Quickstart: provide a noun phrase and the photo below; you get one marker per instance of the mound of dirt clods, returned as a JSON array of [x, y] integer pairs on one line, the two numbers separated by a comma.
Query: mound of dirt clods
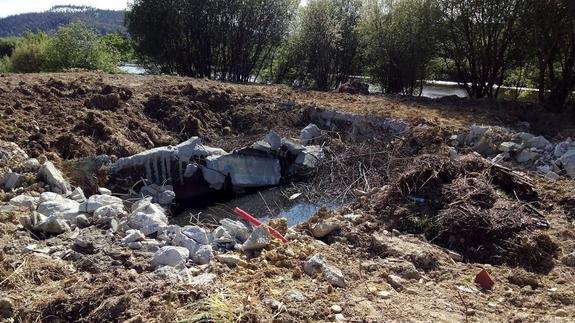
[[483, 211]]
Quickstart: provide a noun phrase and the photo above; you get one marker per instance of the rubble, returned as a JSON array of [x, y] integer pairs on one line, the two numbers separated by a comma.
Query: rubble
[[25, 201], [54, 224], [147, 217], [309, 134], [325, 227], [258, 239], [170, 256], [54, 178], [318, 264], [95, 202]]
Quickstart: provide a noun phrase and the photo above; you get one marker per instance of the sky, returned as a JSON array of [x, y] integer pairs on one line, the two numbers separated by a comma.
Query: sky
[[14, 7]]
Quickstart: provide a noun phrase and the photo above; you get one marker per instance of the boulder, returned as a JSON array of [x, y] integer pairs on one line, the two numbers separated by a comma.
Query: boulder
[[259, 239], [170, 256], [25, 201], [54, 178], [51, 196], [310, 133], [95, 202]]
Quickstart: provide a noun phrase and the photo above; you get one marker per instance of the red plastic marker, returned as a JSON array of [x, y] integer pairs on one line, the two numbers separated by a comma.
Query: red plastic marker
[[246, 216], [483, 280]]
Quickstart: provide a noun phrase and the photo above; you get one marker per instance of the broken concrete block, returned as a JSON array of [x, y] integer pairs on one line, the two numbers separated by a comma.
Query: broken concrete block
[[191, 169], [25, 201], [183, 241], [54, 178], [310, 157], [240, 169], [238, 230], [562, 148], [170, 256], [309, 134], [259, 239]]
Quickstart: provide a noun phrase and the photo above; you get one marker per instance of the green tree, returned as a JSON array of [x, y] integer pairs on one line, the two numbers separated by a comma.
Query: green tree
[[78, 46], [398, 42], [223, 39], [121, 44], [480, 40], [29, 56], [323, 48]]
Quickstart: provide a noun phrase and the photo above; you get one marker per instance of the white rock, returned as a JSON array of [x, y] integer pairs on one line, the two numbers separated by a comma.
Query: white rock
[[77, 195], [53, 224], [236, 229], [151, 245], [318, 264], [148, 218], [170, 256], [104, 191], [54, 178], [199, 235], [309, 133], [66, 208], [183, 241], [222, 236], [133, 236], [51, 196], [110, 211], [259, 239], [95, 202], [334, 276], [25, 201], [135, 245], [325, 227], [166, 197], [568, 162], [552, 176], [274, 140], [203, 255]]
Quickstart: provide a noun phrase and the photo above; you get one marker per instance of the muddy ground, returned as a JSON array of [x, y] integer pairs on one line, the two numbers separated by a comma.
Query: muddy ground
[[474, 216]]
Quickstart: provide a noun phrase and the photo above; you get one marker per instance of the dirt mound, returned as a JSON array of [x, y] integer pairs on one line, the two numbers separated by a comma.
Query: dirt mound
[[470, 206]]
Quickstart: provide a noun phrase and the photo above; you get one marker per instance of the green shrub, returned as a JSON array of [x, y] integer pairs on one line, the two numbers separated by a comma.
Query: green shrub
[[121, 43], [29, 56], [77, 46], [5, 65]]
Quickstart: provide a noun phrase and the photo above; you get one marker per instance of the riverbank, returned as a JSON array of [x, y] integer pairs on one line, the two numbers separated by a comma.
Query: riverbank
[[402, 167]]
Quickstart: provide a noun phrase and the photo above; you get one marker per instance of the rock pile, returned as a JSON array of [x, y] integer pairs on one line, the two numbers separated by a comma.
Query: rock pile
[[501, 144]]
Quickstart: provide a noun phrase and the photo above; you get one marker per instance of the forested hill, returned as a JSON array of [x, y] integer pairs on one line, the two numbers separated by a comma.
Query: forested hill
[[103, 21]]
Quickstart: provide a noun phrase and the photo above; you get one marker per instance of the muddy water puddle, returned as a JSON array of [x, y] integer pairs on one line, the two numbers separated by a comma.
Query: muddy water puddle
[[264, 205]]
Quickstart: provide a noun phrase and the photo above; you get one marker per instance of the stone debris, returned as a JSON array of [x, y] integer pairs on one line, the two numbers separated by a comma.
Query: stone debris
[[147, 217], [32, 220], [170, 256], [82, 221], [259, 239], [325, 227], [110, 211], [10, 180], [95, 202], [133, 236], [536, 152], [204, 279], [396, 282], [203, 255], [318, 264], [236, 229], [310, 133], [104, 191], [77, 195], [63, 207], [25, 201], [231, 260], [54, 178], [54, 224]]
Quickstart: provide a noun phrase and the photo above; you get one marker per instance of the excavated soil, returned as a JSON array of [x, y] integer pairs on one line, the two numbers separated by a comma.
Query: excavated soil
[[419, 229]]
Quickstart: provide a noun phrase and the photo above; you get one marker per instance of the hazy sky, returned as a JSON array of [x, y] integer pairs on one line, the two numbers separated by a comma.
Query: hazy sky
[[13, 7]]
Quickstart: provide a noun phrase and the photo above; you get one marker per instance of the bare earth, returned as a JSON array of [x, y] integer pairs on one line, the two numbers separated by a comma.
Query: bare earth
[[69, 116]]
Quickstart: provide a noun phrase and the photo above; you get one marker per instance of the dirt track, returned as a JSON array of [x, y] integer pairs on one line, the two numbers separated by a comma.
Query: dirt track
[[67, 116]]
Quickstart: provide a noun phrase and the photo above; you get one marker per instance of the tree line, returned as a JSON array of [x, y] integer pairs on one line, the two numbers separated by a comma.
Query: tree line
[[482, 44]]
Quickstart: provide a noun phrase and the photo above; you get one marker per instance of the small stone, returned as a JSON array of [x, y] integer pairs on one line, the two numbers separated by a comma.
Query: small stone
[[470, 312], [104, 191], [384, 294], [309, 134], [82, 221], [230, 260], [83, 243], [133, 236], [203, 279], [170, 256], [561, 313], [395, 281], [569, 260], [54, 224], [77, 195], [25, 201], [295, 295], [336, 309], [136, 245], [340, 318], [203, 255], [325, 227]]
